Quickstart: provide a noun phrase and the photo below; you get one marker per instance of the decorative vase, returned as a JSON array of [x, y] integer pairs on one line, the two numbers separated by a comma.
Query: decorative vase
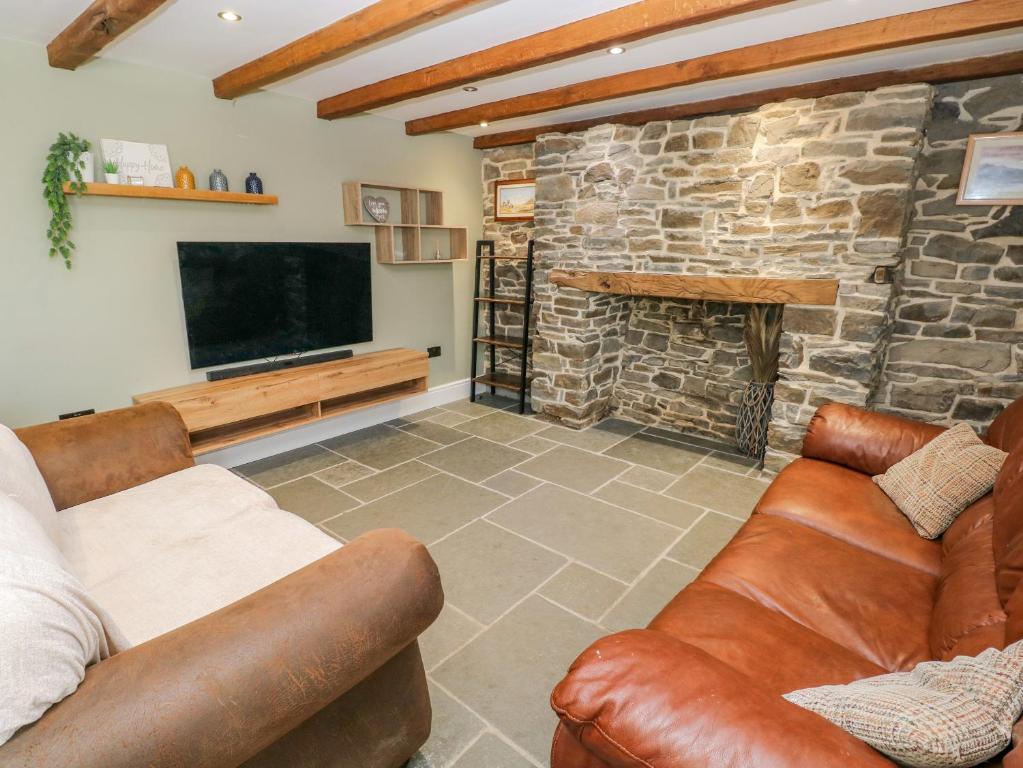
[[86, 167], [253, 184], [112, 178], [185, 179], [753, 418], [218, 181]]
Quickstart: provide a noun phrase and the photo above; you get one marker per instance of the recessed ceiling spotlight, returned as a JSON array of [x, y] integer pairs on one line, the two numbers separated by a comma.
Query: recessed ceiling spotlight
[[229, 16], [616, 51], [470, 88], [484, 123]]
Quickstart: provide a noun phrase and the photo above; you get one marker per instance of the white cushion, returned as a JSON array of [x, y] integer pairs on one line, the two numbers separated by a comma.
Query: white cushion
[[21, 480], [50, 628], [170, 551]]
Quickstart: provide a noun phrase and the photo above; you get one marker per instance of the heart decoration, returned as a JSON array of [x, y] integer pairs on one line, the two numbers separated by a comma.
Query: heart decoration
[[377, 207]]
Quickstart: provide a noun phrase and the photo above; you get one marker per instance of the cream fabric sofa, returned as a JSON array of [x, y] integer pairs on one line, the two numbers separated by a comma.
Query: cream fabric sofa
[[255, 638], [177, 548]]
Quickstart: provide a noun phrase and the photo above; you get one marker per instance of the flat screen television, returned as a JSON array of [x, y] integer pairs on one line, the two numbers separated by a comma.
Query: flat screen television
[[247, 301]]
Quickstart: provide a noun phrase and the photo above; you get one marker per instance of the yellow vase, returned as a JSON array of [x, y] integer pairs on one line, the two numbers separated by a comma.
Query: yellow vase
[[184, 179]]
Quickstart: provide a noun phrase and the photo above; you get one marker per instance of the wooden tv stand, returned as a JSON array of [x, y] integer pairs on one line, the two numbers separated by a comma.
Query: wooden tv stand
[[222, 413]]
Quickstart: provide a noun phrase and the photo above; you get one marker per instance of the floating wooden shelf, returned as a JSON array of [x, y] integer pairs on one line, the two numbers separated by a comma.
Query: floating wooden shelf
[[173, 193], [418, 235], [746, 290], [222, 413]]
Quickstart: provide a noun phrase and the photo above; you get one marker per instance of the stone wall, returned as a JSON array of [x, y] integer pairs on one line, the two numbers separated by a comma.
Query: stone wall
[[510, 239], [811, 188], [956, 351], [808, 188]]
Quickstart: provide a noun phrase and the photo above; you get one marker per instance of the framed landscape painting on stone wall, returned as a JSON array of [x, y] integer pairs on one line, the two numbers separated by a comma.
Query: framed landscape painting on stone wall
[[514, 199], [993, 171]]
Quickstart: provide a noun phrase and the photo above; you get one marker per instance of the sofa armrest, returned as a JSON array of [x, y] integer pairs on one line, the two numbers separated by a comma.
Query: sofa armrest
[[93, 456], [864, 440], [643, 698], [219, 690]]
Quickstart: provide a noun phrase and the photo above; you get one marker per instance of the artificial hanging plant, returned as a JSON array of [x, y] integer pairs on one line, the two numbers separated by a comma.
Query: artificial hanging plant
[[762, 334], [62, 165]]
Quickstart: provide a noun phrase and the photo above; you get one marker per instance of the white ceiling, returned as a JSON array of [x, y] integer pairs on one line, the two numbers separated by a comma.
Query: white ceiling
[[187, 36]]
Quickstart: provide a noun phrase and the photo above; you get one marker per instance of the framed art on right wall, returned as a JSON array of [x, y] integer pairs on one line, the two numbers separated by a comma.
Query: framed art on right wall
[[514, 199], [993, 171]]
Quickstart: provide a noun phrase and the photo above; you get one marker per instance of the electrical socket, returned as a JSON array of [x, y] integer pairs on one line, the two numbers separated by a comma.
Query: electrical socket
[[433, 351], [75, 414]]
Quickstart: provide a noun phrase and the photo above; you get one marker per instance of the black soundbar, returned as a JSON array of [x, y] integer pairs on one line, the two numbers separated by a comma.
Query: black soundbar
[[276, 365]]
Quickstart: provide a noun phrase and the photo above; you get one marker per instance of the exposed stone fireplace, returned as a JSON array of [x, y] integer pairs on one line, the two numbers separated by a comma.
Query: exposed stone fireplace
[[812, 188], [809, 188]]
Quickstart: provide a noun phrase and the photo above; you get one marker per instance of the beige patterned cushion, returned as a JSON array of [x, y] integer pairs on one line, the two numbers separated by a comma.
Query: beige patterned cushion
[[941, 714], [933, 485]]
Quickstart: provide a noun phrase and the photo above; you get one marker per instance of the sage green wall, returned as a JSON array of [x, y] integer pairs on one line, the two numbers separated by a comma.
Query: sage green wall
[[113, 325]]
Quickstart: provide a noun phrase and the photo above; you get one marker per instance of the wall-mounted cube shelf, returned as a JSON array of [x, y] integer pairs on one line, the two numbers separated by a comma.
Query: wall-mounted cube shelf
[[414, 232]]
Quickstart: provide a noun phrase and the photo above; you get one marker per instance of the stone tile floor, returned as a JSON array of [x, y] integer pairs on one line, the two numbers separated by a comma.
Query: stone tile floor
[[546, 539]]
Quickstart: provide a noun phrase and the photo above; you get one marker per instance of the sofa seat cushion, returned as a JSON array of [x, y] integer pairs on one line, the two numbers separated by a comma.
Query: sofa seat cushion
[[848, 505], [778, 653], [875, 607], [172, 550]]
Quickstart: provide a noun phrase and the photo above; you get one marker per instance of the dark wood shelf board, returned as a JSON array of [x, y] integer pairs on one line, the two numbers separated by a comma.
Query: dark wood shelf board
[[514, 342], [500, 300], [501, 381]]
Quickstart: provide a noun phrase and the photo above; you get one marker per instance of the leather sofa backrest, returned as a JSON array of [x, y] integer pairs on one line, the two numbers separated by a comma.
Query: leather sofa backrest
[[1006, 432], [1007, 539], [968, 616]]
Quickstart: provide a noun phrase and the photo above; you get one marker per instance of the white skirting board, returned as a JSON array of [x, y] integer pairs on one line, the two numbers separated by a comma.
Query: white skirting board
[[271, 445]]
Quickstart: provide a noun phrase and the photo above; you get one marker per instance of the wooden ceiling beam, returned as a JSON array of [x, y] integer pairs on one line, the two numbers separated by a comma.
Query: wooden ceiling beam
[[95, 28], [616, 27], [966, 69], [951, 21], [379, 21]]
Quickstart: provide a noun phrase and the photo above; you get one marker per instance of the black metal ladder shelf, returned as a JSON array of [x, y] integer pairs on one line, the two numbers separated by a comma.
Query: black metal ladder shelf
[[491, 376]]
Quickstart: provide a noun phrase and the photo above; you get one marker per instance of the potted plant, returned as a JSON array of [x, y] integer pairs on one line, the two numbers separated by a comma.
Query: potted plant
[[762, 334], [63, 164], [110, 172]]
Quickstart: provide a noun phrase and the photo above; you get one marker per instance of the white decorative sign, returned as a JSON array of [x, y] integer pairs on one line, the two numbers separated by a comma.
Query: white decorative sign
[[133, 158]]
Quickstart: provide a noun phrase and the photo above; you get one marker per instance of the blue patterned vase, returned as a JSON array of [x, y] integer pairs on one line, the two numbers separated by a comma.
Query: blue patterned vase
[[218, 181], [253, 184]]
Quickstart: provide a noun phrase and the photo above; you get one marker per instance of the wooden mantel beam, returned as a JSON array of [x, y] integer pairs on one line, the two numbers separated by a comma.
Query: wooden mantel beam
[[745, 290], [616, 27], [379, 21], [95, 28], [951, 21], [967, 69]]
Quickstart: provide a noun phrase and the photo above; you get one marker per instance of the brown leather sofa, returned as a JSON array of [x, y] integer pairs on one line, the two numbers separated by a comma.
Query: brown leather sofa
[[319, 669], [826, 583]]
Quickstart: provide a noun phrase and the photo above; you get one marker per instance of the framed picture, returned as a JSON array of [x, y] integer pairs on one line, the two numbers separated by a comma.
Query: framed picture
[[150, 162], [993, 172], [514, 199]]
